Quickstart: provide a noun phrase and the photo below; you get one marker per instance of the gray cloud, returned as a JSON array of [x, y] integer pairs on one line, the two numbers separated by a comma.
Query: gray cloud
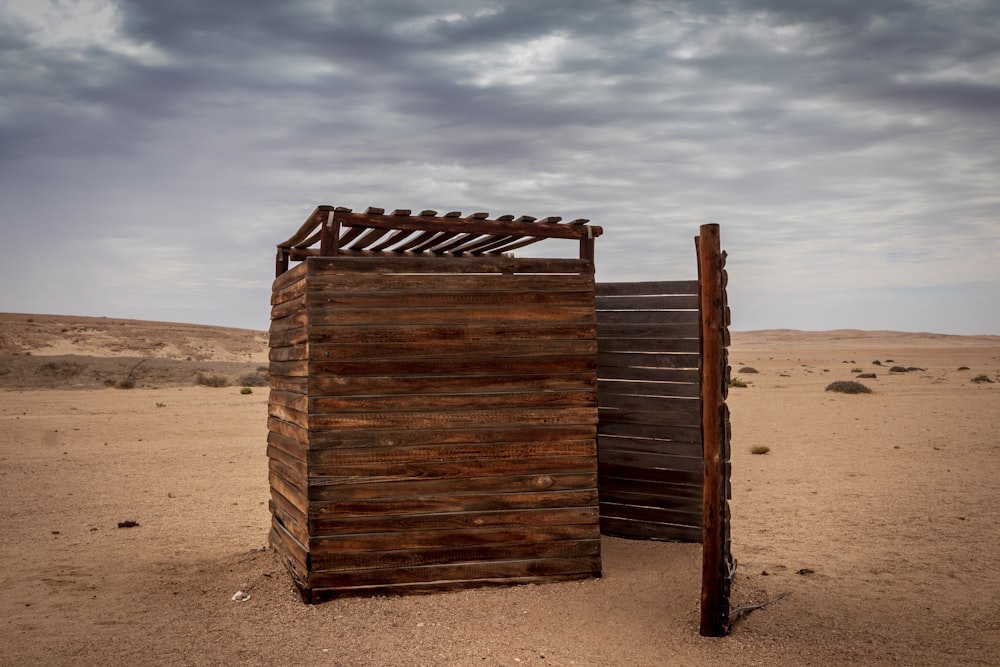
[[843, 146]]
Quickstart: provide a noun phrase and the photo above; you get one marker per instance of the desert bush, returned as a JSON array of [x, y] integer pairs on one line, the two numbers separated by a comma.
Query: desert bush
[[979, 379], [736, 382], [128, 382], [246, 390], [867, 376], [212, 380], [876, 363], [253, 380], [898, 369], [760, 449], [747, 369], [857, 370], [963, 368], [848, 387]]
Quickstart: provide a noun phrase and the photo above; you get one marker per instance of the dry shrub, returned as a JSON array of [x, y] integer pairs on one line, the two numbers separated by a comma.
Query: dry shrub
[[748, 369], [979, 379], [212, 380], [848, 387], [760, 449]]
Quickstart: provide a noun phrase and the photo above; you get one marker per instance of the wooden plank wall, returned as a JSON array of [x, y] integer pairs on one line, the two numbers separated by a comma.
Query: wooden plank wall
[[288, 422], [450, 407], [649, 433]]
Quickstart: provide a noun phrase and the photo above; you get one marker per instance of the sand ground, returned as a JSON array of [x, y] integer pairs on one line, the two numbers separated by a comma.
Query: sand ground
[[877, 514]]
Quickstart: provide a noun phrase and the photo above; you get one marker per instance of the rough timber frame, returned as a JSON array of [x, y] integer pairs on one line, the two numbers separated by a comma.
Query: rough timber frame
[[340, 231]]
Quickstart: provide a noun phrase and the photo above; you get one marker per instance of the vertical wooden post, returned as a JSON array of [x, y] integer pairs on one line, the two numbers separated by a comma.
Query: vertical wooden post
[[280, 262], [329, 236], [587, 246], [714, 611]]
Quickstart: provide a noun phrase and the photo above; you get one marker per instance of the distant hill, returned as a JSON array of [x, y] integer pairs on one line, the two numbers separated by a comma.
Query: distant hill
[[66, 352]]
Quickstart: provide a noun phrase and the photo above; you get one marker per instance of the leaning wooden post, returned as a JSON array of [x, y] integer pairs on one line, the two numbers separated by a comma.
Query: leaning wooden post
[[714, 611]]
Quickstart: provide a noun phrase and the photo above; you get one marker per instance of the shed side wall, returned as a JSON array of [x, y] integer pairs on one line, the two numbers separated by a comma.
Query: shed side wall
[[649, 437], [288, 421], [452, 423]]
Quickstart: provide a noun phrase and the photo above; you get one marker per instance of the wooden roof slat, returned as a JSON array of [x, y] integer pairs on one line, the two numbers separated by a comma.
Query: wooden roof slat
[[437, 239], [366, 239], [394, 238], [419, 239]]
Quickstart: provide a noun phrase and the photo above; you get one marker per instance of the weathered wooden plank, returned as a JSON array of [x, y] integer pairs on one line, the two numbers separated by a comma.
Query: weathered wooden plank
[[445, 295], [691, 447], [640, 359], [280, 337], [291, 446], [371, 262], [290, 552], [463, 554], [623, 499], [286, 383], [452, 419], [606, 344], [288, 430], [610, 389], [297, 368], [291, 400], [609, 318], [608, 305], [324, 461], [660, 475], [649, 287], [474, 351], [651, 410], [348, 385], [289, 293], [613, 487], [470, 485], [476, 434], [648, 331], [372, 473], [289, 415], [332, 281], [423, 402], [650, 460], [317, 595], [289, 490], [464, 572], [690, 433], [458, 502], [651, 531], [289, 353], [430, 336], [467, 359], [286, 308], [342, 316], [294, 274], [429, 539], [690, 517], [294, 468], [389, 523], [289, 516]]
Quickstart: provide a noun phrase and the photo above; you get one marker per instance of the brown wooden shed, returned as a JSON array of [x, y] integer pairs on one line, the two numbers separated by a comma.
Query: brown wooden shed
[[433, 418], [433, 409]]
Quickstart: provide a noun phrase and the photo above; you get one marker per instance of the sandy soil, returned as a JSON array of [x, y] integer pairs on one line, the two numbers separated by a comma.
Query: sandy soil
[[876, 513]]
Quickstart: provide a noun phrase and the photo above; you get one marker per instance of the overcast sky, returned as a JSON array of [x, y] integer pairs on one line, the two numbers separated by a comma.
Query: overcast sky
[[152, 153]]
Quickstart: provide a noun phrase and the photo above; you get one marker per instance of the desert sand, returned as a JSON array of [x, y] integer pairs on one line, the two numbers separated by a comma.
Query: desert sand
[[877, 514]]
